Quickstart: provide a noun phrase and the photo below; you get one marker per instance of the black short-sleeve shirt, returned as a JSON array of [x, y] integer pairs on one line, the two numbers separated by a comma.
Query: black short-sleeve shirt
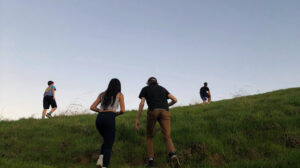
[[204, 91], [156, 97]]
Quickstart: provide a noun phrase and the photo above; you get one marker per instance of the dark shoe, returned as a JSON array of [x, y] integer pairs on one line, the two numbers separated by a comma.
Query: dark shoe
[[150, 164], [48, 115], [174, 161]]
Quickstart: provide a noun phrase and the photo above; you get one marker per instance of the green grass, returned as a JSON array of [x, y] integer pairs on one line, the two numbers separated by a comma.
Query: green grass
[[254, 131]]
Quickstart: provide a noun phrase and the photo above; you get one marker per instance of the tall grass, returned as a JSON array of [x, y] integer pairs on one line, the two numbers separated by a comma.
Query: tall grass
[[255, 131]]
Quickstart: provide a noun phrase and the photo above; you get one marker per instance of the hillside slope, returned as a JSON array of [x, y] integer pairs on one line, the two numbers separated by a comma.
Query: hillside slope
[[254, 131]]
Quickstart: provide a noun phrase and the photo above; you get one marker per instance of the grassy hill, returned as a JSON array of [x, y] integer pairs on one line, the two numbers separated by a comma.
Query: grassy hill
[[254, 131]]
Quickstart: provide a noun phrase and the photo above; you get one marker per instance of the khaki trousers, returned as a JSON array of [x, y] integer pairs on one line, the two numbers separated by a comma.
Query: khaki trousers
[[163, 117]]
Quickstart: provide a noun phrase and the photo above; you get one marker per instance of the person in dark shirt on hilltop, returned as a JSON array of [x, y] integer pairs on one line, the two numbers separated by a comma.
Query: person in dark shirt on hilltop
[[205, 94], [158, 110]]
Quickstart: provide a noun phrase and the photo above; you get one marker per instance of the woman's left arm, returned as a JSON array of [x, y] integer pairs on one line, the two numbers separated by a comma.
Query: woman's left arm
[[122, 104]]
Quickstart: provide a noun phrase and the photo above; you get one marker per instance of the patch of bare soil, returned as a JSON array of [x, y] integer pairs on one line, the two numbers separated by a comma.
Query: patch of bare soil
[[234, 143], [291, 141], [240, 152], [134, 161], [197, 150], [216, 160], [201, 150], [86, 159]]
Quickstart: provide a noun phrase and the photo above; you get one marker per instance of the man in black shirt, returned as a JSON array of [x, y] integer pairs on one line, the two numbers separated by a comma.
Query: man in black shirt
[[158, 110], [205, 94]]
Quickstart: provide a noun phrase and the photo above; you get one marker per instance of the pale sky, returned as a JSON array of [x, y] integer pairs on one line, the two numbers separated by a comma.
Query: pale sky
[[238, 47]]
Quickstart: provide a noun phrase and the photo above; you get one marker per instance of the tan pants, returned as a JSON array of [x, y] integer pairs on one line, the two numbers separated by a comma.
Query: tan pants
[[163, 117]]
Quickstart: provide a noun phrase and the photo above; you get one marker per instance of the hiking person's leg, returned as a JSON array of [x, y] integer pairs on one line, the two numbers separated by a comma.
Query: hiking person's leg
[[99, 126], [109, 131], [100, 130], [165, 125], [203, 99], [44, 113], [53, 107], [151, 121], [46, 106]]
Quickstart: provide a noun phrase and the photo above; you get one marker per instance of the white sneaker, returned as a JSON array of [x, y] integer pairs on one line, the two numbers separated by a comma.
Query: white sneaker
[[99, 163]]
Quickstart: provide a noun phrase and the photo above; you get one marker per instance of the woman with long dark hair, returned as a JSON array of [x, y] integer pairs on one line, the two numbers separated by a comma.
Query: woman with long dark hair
[[110, 100]]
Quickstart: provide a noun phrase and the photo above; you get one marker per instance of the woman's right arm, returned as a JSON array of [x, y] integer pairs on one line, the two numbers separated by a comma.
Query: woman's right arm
[[122, 104], [96, 103]]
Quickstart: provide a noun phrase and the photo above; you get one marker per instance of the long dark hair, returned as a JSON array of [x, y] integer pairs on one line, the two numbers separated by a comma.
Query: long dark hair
[[114, 87]]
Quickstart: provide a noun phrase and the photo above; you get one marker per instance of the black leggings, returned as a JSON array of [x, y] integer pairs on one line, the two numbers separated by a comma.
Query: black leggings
[[105, 124]]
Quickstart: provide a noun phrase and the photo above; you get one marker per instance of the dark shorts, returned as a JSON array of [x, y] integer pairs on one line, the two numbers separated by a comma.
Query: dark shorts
[[204, 97], [47, 101]]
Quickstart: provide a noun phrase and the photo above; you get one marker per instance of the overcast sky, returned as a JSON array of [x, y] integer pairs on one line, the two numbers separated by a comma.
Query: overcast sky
[[238, 47]]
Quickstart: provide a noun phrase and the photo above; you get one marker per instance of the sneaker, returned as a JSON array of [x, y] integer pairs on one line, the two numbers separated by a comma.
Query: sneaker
[[99, 163], [150, 164], [174, 162], [48, 115]]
